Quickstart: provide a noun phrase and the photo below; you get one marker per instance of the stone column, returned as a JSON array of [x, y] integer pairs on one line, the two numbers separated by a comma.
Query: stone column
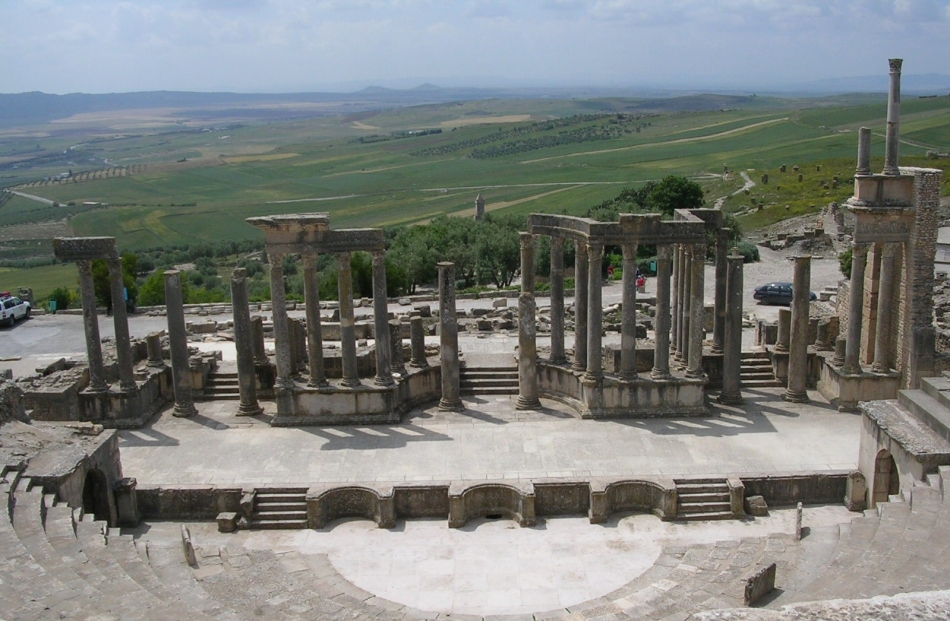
[[384, 373], [153, 344], [882, 358], [557, 300], [580, 306], [864, 152], [841, 344], [661, 356], [628, 325], [675, 299], [247, 377], [347, 323], [852, 352], [123, 344], [395, 346], [97, 371], [719, 314], [798, 342], [784, 330], [595, 313], [311, 288], [178, 344], [282, 342], [417, 338], [732, 344], [892, 146], [449, 340], [694, 363], [686, 289], [257, 340], [527, 331]]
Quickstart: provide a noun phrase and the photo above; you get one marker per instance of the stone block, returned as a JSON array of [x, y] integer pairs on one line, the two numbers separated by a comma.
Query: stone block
[[500, 303], [756, 506], [425, 310], [227, 522], [759, 584], [188, 547]]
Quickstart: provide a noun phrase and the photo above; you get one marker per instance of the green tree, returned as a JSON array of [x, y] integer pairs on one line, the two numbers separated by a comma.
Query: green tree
[[152, 291], [674, 193]]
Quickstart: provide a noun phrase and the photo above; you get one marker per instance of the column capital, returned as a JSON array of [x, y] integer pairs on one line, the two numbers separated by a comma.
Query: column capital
[[860, 249], [557, 243], [527, 239], [379, 258], [309, 259], [595, 251]]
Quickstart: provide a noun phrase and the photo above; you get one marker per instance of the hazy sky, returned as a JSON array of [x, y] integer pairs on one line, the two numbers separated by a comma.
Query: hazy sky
[[95, 46]]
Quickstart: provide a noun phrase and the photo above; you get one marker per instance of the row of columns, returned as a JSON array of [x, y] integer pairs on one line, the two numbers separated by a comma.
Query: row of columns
[[97, 374], [688, 308], [888, 275]]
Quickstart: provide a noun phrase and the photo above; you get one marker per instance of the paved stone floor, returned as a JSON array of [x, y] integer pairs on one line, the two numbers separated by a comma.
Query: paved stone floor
[[491, 440]]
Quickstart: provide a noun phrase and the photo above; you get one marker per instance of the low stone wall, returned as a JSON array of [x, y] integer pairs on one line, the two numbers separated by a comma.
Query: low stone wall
[[846, 391], [810, 489], [325, 505], [187, 502], [658, 497], [513, 501]]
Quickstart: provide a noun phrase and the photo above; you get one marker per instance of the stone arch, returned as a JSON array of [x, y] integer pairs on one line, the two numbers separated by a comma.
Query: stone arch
[[95, 495], [886, 478]]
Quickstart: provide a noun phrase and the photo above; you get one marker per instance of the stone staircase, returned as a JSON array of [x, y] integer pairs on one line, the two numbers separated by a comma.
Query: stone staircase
[[702, 499], [756, 371], [488, 380], [221, 385], [930, 404], [279, 508]]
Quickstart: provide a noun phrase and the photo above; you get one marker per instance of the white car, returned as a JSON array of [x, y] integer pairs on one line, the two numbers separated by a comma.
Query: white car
[[12, 308]]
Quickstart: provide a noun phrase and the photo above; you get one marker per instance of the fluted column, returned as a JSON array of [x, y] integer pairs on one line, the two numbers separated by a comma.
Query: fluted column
[[87, 289], [178, 346], [595, 313], [449, 340], [852, 352], [311, 288], [384, 373], [719, 312], [882, 357], [580, 306], [282, 344], [798, 340], [244, 349], [351, 376], [557, 300], [628, 325], [694, 363], [120, 319], [661, 356], [892, 145], [732, 333], [527, 331]]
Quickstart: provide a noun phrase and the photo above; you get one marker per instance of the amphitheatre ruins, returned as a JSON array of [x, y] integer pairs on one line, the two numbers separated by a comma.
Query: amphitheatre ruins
[[602, 452]]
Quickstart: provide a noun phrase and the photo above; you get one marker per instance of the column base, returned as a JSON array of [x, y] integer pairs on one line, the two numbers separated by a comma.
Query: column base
[[451, 406], [692, 374], [323, 383], [126, 388], [249, 409], [382, 381], [593, 376], [730, 399], [527, 403], [419, 365], [658, 374], [631, 376], [580, 368], [880, 368], [780, 349], [716, 349], [185, 410], [558, 360], [104, 387], [794, 396], [350, 382]]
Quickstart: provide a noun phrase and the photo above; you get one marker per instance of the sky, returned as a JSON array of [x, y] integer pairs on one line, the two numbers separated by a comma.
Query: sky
[[95, 46]]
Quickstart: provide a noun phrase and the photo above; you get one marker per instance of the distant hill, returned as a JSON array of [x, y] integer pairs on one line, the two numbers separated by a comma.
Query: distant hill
[[926, 84]]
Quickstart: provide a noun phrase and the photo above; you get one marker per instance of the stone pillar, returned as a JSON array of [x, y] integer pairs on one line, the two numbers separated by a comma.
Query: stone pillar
[[732, 343], [675, 301], [527, 331], [449, 340], [557, 300], [628, 326], [257, 340], [282, 342], [694, 364], [841, 344], [479, 208], [852, 352], [864, 152], [311, 289], [882, 358], [784, 330], [247, 377], [686, 277], [661, 356], [417, 339], [123, 344], [178, 344], [719, 314], [595, 313], [580, 306], [892, 146], [395, 346], [798, 343], [347, 323], [153, 344], [384, 357], [97, 371]]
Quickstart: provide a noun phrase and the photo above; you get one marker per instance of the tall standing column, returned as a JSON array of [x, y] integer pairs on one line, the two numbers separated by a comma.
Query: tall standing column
[[527, 331], [697, 310], [557, 300], [798, 341], [628, 323], [384, 356], [595, 313], [882, 349], [351, 376], [864, 152], [675, 299], [719, 312], [449, 340], [178, 346], [417, 339], [580, 306], [892, 145], [661, 355], [247, 377], [852, 352], [784, 330], [282, 344], [686, 275], [732, 333], [257, 340], [97, 372], [120, 319], [311, 290]]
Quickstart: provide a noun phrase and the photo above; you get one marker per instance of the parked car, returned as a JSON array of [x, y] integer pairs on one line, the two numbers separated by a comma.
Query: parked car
[[777, 293], [12, 308]]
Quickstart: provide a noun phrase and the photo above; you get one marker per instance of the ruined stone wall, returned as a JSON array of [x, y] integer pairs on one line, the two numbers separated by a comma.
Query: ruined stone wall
[[11, 403]]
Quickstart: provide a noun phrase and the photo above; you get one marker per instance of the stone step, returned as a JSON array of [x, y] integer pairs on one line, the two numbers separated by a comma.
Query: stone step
[[938, 388], [498, 390], [169, 566], [704, 496], [757, 375], [290, 524], [277, 505], [269, 515], [928, 410], [704, 507], [773, 383], [754, 355], [223, 375], [488, 383], [710, 515], [274, 494]]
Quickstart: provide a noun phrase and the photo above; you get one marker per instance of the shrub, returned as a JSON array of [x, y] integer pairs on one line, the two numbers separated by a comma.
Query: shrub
[[62, 296], [844, 262], [749, 252]]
